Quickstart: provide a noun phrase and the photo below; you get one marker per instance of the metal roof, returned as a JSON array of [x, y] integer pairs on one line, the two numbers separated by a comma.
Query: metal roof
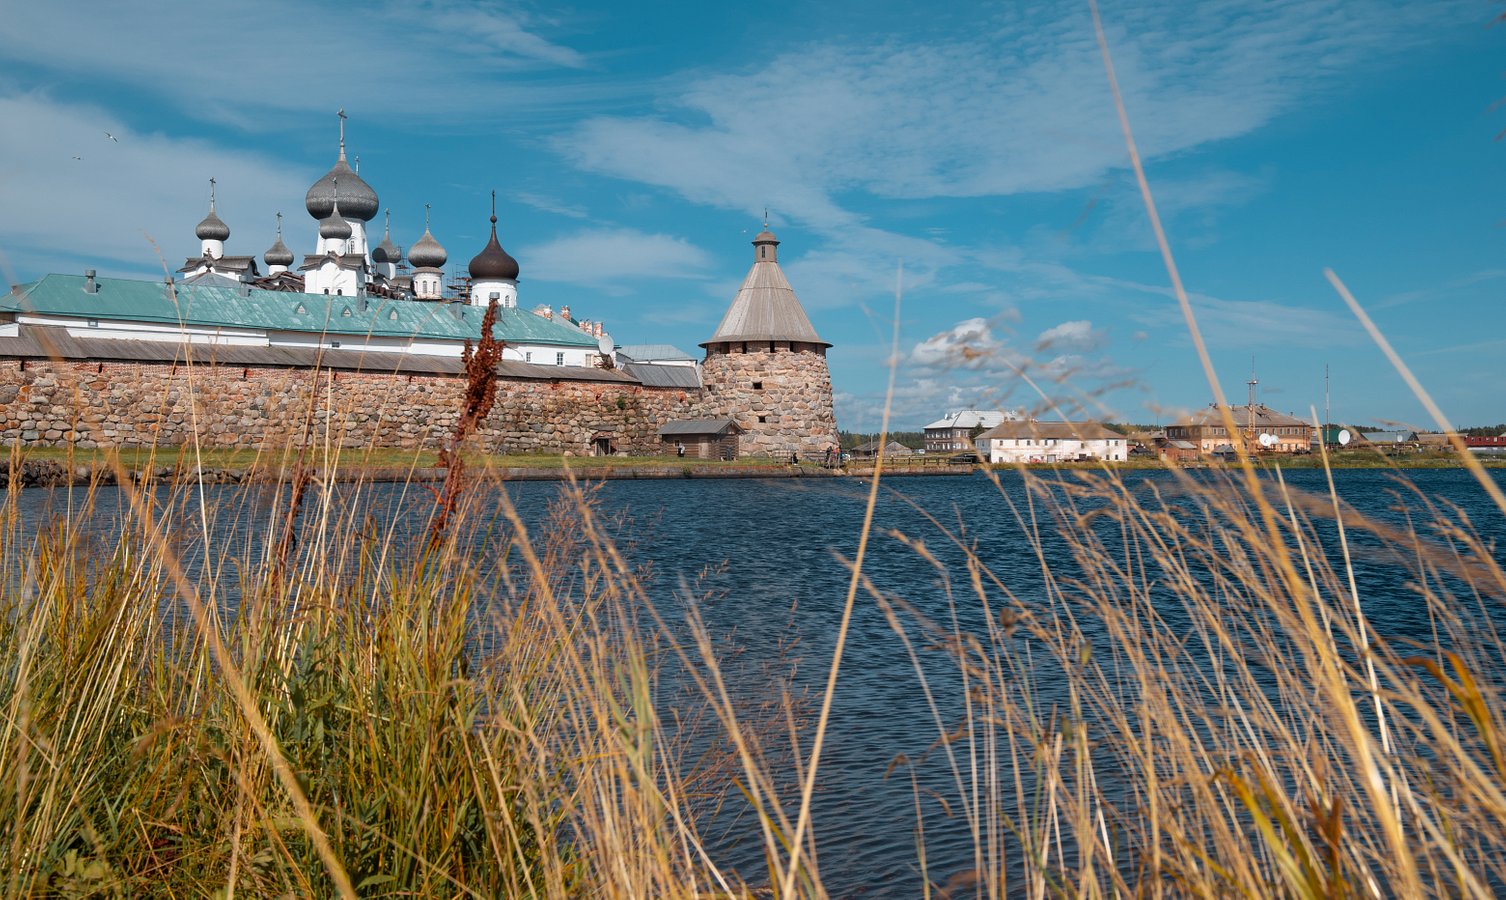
[[665, 376], [209, 306], [973, 418], [44, 342], [654, 353], [698, 426], [1080, 431], [765, 309], [1244, 417]]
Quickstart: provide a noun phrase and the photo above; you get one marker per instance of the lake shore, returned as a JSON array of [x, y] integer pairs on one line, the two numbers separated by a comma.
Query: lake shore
[[59, 467]]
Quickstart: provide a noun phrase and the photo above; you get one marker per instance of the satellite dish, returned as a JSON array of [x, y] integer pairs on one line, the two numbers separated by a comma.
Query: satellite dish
[[1345, 437], [605, 345], [1267, 440]]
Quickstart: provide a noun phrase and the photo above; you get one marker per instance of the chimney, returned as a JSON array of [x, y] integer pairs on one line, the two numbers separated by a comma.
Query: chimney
[[597, 332], [565, 313], [90, 285], [549, 313]]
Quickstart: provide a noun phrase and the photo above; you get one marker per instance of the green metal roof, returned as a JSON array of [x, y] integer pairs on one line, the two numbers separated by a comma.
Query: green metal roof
[[208, 306]]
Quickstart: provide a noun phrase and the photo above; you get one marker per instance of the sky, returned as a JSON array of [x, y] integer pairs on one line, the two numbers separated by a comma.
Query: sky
[[958, 168]]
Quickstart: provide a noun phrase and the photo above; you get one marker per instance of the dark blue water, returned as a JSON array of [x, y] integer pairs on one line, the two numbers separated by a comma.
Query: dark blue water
[[766, 556]]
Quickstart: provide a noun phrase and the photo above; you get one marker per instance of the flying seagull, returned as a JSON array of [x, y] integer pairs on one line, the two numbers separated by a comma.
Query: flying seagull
[[78, 157], [112, 137]]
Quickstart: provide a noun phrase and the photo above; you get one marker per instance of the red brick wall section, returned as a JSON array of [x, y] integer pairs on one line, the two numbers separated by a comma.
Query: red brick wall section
[[130, 405]]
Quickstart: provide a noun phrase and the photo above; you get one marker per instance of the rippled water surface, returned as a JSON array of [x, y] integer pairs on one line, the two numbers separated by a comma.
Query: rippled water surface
[[772, 549]]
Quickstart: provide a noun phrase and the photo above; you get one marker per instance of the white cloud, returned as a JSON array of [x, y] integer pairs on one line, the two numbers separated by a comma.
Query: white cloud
[[610, 258], [982, 116], [1075, 335], [237, 62], [109, 208]]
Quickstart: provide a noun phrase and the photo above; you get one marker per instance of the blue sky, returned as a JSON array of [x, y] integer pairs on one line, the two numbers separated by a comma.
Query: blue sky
[[634, 146]]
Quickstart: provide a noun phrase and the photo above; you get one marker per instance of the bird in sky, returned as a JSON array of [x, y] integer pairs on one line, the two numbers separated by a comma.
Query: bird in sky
[[78, 157], [112, 137]]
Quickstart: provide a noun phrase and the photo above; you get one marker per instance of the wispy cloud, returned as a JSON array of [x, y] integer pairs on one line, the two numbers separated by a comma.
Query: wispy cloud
[[238, 63], [981, 116], [611, 259], [108, 206]]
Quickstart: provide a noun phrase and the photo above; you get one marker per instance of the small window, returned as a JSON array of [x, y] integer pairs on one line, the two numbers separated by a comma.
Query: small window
[[494, 295], [346, 312], [559, 359], [762, 419], [528, 356], [93, 323], [758, 385], [335, 344], [301, 310], [392, 314]]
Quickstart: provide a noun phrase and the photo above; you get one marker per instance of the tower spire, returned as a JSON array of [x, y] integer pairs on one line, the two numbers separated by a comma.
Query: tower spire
[[341, 114], [494, 212], [426, 217], [279, 226], [211, 193]]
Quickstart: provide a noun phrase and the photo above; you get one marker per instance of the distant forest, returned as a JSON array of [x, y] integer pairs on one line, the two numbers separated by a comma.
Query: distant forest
[[915, 440]]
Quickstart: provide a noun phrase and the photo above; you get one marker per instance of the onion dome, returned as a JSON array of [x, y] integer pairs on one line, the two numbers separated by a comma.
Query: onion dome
[[278, 254], [213, 228], [427, 253], [386, 251], [357, 198], [493, 263], [334, 225]]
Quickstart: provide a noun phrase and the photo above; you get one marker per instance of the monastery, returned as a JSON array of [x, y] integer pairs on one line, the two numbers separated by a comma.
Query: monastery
[[362, 346]]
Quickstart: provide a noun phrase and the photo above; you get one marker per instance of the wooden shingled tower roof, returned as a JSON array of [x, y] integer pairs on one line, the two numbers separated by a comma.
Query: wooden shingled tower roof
[[765, 308]]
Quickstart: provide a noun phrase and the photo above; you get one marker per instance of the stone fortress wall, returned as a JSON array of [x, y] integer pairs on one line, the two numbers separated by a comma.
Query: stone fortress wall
[[88, 404], [779, 393]]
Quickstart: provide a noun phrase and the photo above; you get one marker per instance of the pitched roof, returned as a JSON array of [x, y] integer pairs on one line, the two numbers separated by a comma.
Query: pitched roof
[[654, 353], [1244, 417], [973, 418], [211, 306], [45, 342], [1081, 431], [699, 426], [765, 309], [664, 376]]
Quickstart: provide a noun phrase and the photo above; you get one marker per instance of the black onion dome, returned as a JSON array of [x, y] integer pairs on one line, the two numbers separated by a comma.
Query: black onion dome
[[357, 199], [427, 253], [493, 263], [386, 251], [334, 225], [213, 228], [278, 254]]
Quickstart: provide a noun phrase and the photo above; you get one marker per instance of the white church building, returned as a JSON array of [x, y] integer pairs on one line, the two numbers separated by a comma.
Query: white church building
[[344, 298]]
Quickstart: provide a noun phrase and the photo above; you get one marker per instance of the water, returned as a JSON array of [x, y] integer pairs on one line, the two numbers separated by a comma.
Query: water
[[773, 550]]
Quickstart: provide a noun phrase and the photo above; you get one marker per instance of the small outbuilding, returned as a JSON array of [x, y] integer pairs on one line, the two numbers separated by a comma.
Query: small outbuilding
[[870, 450], [701, 438]]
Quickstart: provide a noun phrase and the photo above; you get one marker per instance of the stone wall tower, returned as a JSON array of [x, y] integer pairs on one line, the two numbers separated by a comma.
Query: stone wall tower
[[765, 366]]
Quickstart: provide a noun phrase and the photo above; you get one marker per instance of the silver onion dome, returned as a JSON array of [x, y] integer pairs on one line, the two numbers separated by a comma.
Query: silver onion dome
[[213, 228], [334, 225], [279, 254], [357, 199], [427, 253]]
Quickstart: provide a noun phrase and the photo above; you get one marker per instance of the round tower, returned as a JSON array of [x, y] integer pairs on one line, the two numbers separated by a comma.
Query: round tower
[[765, 366]]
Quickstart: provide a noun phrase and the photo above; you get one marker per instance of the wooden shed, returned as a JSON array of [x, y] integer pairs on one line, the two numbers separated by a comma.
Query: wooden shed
[[701, 438]]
